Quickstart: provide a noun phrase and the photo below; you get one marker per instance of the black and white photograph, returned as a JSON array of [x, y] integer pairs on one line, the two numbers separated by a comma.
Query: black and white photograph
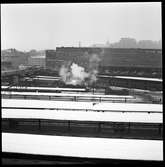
[[81, 83]]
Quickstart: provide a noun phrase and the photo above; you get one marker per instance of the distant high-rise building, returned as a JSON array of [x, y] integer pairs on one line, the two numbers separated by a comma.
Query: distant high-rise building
[[132, 43]]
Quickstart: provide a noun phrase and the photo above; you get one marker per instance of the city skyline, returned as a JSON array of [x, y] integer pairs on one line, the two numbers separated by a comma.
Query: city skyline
[[142, 44], [47, 26]]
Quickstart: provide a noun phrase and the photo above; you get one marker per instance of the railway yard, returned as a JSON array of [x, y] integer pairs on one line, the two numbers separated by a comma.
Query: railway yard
[[83, 114], [82, 83]]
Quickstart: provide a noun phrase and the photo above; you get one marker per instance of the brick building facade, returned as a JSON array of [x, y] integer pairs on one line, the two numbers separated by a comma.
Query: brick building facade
[[112, 59]]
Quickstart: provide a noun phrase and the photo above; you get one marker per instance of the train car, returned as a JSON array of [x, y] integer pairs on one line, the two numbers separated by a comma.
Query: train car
[[74, 96], [153, 84], [42, 89]]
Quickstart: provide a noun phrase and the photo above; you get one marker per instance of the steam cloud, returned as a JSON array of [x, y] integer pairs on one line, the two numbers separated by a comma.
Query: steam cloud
[[72, 73]]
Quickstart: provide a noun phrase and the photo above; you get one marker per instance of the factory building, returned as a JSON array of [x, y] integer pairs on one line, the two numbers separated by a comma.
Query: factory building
[[113, 61], [56, 58], [12, 59], [51, 60], [37, 60]]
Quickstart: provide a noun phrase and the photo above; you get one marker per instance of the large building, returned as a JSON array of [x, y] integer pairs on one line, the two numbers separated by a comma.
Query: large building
[[37, 59], [12, 59], [56, 58], [111, 59], [145, 58]]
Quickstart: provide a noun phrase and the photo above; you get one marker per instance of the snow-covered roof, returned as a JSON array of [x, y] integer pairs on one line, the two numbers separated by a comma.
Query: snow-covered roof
[[83, 116], [136, 78], [116, 107], [44, 88], [64, 94], [140, 78], [44, 76], [46, 79], [130, 149]]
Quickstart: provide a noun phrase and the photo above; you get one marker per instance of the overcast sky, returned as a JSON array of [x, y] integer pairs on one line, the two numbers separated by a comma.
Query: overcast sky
[[46, 26]]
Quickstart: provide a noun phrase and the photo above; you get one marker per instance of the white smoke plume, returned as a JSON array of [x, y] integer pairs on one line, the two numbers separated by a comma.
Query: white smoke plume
[[77, 75], [65, 73], [93, 67], [73, 74]]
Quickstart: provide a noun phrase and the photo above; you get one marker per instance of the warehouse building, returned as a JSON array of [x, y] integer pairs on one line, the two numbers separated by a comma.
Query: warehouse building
[[113, 61], [12, 59]]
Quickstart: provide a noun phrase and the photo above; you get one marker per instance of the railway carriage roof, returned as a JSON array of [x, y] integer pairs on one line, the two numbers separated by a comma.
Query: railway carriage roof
[[116, 107]]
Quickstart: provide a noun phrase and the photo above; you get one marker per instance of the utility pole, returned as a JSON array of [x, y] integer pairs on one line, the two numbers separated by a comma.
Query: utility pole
[[79, 44]]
